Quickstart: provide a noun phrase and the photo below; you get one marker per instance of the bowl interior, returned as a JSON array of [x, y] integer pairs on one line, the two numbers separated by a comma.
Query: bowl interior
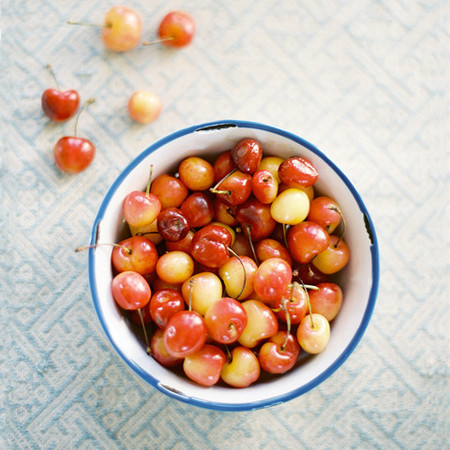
[[359, 280]]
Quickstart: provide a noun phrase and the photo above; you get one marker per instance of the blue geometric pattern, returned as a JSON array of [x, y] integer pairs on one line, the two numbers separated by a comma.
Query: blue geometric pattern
[[366, 81]]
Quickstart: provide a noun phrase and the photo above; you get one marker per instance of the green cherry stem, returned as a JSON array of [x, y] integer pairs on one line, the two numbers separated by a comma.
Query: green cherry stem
[[86, 247], [147, 190], [149, 351], [52, 73], [215, 189], [245, 272], [85, 105], [158, 41], [344, 224]]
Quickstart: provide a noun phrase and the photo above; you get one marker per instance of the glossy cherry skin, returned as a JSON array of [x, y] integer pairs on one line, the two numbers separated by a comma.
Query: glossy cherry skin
[[264, 186], [159, 351], [246, 155], [170, 190], [306, 240], [309, 274], [136, 253], [334, 258], [325, 212], [223, 165], [272, 278], [205, 365], [225, 319], [130, 290], [121, 29], [294, 301], [198, 209], [255, 218], [243, 369], [224, 213], [235, 189], [185, 333], [172, 224], [60, 105], [297, 172], [141, 209], [179, 27], [73, 154], [271, 248], [278, 354], [327, 300], [164, 303]]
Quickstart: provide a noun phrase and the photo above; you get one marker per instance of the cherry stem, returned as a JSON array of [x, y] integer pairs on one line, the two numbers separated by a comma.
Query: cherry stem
[[158, 41], [149, 351], [147, 190], [227, 351], [288, 320], [86, 24], [191, 285], [285, 235], [243, 267], [52, 73], [249, 234], [309, 304], [215, 190], [344, 224], [86, 247], [86, 103]]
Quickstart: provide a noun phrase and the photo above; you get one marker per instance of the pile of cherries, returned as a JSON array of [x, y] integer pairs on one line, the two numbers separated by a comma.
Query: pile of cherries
[[231, 264]]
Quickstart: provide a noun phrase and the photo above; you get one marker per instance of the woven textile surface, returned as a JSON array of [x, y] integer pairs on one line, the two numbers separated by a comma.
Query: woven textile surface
[[366, 81]]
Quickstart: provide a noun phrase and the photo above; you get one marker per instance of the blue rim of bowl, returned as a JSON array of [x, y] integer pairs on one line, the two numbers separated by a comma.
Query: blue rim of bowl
[[338, 361]]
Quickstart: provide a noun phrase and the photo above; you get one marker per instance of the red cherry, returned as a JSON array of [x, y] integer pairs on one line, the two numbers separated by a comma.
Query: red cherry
[[60, 105], [177, 29], [185, 333], [246, 155], [130, 290], [272, 278], [222, 165], [234, 189], [74, 154], [297, 172], [198, 209], [172, 224], [164, 304], [255, 218], [280, 353], [306, 240]]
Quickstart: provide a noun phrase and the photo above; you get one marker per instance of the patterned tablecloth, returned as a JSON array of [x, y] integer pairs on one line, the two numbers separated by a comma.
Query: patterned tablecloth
[[366, 81]]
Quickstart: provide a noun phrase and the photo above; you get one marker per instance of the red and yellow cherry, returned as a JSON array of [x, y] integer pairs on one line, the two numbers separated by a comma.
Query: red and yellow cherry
[[290, 206], [142, 315], [224, 213], [130, 290], [172, 224], [308, 274], [164, 303], [325, 212], [225, 320], [326, 300], [234, 189], [222, 165], [59, 105], [246, 155], [74, 154], [205, 365], [272, 164], [264, 186], [271, 248], [297, 172], [170, 190], [136, 253], [280, 353], [201, 291], [237, 275], [255, 219], [313, 333], [272, 278], [159, 351], [196, 173], [261, 323], [144, 107], [185, 333], [210, 246], [306, 240], [242, 370], [183, 245], [141, 208], [176, 29], [242, 246], [198, 209], [175, 267], [293, 303], [121, 29], [150, 231], [334, 258]]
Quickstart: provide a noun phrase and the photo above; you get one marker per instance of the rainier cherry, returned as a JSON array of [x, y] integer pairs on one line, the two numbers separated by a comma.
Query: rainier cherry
[[164, 303], [205, 365], [201, 290], [334, 258], [121, 30], [141, 208], [144, 107], [313, 333], [326, 300], [196, 173], [74, 154], [280, 353], [130, 290], [59, 105], [325, 212], [177, 29], [272, 278], [306, 240], [243, 369]]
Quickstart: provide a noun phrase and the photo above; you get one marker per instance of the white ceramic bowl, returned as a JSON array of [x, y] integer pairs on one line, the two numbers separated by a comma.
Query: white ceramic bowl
[[359, 280]]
